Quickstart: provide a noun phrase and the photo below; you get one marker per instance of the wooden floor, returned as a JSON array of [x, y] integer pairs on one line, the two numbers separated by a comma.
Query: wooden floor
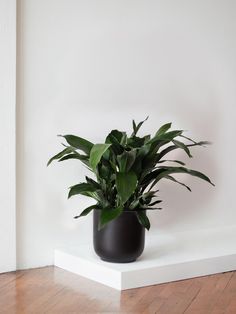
[[53, 290]]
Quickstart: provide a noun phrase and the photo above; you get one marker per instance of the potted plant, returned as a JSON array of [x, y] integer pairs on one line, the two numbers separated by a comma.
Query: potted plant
[[127, 170]]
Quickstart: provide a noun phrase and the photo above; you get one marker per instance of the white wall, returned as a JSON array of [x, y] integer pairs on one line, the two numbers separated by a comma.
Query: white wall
[[90, 66], [7, 134]]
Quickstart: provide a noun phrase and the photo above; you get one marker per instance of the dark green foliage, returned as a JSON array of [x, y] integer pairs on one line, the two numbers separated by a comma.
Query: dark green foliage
[[125, 184], [108, 214], [143, 219], [126, 170]]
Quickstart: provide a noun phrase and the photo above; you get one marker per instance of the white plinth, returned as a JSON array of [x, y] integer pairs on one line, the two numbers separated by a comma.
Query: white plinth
[[167, 257]]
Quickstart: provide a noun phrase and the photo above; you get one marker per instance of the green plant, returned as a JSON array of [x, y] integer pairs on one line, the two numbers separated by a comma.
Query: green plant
[[127, 169]]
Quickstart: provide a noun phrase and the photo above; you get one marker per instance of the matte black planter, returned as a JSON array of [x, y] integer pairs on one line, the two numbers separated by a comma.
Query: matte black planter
[[121, 240]]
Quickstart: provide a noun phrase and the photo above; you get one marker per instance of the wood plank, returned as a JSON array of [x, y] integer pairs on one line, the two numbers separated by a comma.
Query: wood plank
[[53, 290], [226, 301]]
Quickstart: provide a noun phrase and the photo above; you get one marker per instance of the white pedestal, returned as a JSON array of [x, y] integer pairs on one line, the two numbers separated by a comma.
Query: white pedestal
[[167, 257]]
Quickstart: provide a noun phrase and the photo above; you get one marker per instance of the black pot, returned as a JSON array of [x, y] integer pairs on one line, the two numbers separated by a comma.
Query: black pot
[[121, 240]]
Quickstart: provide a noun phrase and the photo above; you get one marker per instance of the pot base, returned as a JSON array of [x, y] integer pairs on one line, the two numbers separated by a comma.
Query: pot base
[[117, 261]]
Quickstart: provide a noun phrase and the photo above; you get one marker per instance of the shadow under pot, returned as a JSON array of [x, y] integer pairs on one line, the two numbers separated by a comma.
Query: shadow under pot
[[121, 240]]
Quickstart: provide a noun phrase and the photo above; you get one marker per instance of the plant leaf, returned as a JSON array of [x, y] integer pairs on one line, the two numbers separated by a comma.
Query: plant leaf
[[81, 188], [82, 158], [79, 143], [87, 210], [151, 208], [168, 136], [65, 151], [173, 147], [165, 171], [109, 214], [126, 160], [137, 142], [143, 219], [183, 146], [134, 127], [196, 143], [138, 165], [96, 154], [93, 183], [174, 180], [115, 138], [169, 160], [126, 183], [146, 198], [74, 156], [201, 143], [154, 203], [163, 129], [134, 204], [137, 127]]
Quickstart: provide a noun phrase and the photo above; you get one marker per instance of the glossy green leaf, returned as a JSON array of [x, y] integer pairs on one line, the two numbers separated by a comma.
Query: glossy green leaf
[[96, 154], [151, 208], [95, 184], [74, 156], [79, 143], [116, 138], [137, 127], [81, 188], [134, 204], [173, 147], [125, 183], [108, 215], [147, 197], [87, 210], [166, 151], [168, 136], [136, 142], [202, 143], [165, 171], [170, 160], [183, 146], [126, 160], [143, 219], [139, 165], [163, 129], [154, 203], [64, 152], [174, 180], [151, 176], [134, 127], [83, 158]]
